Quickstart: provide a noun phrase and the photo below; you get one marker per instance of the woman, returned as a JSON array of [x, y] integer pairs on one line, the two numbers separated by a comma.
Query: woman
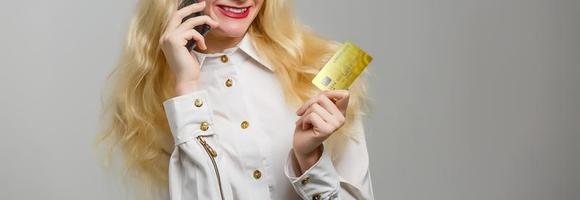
[[237, 118]]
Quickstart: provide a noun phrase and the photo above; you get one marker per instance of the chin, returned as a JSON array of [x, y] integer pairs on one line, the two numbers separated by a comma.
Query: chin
[[230, 30]]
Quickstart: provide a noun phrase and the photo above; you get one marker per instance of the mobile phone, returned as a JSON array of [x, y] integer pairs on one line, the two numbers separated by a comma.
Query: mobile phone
[[202, 29]]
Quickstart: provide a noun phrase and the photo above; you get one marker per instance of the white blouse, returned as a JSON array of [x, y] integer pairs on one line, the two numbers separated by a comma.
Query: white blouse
[[233, 139]]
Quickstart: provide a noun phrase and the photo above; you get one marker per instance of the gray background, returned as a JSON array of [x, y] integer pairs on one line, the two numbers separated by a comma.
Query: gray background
[[472, 99]]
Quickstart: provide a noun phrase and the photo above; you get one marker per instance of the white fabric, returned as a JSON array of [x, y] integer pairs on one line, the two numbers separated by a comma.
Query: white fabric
[[255, 97]]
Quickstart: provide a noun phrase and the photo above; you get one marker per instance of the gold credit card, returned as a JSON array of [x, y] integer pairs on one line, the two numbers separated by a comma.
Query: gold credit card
[[343, 68]]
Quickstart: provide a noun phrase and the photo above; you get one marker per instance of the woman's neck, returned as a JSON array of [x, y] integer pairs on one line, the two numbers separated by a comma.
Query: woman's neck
[[217, 44]]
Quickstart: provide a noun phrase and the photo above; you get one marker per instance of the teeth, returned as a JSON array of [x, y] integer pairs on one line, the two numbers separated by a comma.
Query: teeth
[[235, 10]]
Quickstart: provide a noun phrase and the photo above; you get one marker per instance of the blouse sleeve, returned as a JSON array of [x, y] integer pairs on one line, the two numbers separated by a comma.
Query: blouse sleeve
[[345, 176], [192, 173]]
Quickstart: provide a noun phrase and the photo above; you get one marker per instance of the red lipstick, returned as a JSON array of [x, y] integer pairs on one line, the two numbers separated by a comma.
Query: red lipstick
[[233, 12]]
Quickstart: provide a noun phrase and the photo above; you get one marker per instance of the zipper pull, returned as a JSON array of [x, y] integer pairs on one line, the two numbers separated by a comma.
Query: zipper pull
[[211, 151]]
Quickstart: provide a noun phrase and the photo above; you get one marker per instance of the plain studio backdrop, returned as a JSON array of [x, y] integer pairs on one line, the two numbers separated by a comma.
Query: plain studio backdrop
[[473, 99]]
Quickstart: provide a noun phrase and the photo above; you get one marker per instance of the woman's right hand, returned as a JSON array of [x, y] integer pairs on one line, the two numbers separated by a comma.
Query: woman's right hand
[[183, 64]]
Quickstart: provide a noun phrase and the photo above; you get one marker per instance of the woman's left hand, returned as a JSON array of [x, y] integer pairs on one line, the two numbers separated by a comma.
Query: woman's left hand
[[320, 116]]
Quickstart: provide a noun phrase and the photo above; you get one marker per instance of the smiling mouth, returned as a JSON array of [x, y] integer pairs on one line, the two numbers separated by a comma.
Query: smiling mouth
[[234, 12]]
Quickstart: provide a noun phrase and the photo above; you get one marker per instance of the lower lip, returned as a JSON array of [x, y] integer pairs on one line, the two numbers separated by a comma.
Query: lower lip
[[235, 15]]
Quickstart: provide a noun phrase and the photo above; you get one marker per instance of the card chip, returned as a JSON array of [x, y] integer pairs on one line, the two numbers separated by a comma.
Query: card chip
[[325, 81]]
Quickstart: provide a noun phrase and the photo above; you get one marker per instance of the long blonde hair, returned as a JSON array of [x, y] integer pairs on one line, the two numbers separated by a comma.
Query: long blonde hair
[[133, 118]]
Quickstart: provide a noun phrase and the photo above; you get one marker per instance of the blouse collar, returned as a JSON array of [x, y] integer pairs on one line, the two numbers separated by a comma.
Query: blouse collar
[[245, 45]]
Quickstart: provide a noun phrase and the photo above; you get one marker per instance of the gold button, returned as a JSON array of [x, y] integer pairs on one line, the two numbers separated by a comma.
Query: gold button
[[224, 58], [316, 196], [204, 126], [305, 180], [229, 82], [245, 124], [257, 174], [198, 103]]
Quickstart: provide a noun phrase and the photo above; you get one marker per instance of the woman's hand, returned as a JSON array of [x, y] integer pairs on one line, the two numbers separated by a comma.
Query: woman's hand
[[320, 117], [173, 41]]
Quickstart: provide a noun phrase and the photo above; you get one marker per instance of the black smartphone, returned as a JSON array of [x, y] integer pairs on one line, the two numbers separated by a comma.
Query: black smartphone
[[202, 29]]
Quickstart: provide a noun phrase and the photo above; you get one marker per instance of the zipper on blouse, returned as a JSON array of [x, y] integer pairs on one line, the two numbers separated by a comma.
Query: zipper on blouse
[[212, 154]]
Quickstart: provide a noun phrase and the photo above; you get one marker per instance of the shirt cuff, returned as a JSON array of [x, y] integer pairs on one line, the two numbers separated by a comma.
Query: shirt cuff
[[189, 116], [321, 181]]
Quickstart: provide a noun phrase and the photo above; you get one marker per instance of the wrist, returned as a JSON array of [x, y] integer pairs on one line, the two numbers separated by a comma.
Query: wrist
[[307, 160]]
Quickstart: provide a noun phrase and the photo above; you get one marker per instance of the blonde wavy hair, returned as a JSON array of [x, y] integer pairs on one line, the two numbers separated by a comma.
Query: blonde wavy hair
[[133, 118]]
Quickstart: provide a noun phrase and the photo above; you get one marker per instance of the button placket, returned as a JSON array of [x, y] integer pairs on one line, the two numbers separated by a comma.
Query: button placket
[[227, 75]]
